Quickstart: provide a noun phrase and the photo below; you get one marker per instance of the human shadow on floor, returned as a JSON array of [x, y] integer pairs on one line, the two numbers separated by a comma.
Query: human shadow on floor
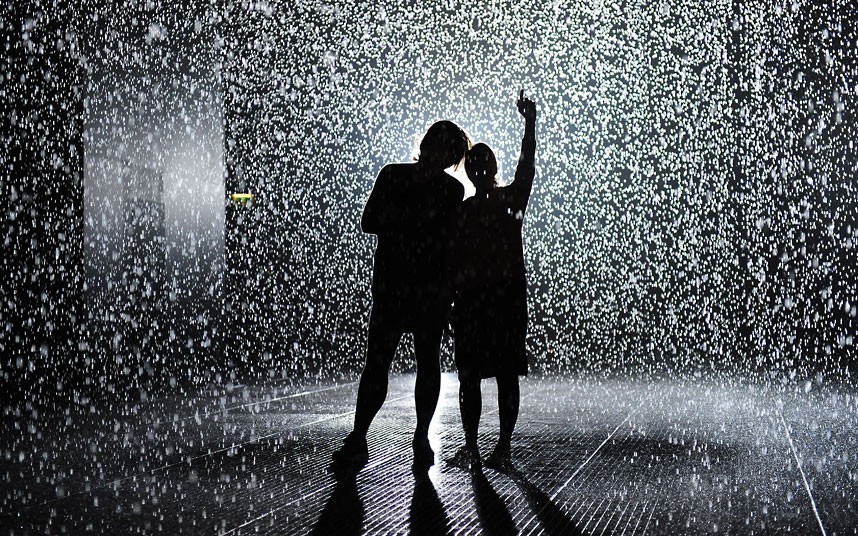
[[491, 510], [344, 512], [552, 518], [427, 515]]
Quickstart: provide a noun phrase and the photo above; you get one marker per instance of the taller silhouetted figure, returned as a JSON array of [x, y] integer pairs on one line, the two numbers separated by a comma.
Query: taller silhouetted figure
[[410, 210]]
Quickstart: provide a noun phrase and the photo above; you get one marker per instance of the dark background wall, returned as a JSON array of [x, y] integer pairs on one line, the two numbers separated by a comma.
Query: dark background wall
[[41, 169], [694, 209]]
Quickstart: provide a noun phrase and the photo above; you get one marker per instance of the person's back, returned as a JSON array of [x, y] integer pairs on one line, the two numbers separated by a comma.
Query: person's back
[[410, 212], [490, 246], [488, 241]]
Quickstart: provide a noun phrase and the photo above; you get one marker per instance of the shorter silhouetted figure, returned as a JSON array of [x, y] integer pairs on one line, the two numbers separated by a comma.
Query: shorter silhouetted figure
[[490, 313], [410, 209]]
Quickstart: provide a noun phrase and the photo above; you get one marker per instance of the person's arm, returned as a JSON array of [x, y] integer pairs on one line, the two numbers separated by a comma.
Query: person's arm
[[453, 255], [454, 236], [521, 186], [378, 213]]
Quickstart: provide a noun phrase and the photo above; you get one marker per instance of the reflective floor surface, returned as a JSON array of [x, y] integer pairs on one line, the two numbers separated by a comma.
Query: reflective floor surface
[[593, 456]]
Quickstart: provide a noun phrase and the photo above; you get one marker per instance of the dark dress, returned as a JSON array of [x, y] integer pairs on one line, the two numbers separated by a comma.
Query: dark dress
[[490, 314], [411, 213]]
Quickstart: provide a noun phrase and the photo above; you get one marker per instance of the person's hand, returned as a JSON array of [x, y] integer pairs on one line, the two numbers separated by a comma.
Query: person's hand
[[526, 107]]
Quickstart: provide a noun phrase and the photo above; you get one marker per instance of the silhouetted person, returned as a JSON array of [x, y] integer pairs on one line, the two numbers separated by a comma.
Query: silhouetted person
[[490, 314], [410, 210]]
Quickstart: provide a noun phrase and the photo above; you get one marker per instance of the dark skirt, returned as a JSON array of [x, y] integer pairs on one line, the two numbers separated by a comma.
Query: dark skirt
[[489, 325]]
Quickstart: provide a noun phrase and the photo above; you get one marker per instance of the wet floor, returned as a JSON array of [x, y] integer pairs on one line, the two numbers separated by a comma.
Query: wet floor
[[593, 456]]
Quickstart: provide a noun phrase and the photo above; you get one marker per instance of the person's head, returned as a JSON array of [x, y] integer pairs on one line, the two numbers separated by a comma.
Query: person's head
[[443, 145], [481, 167]]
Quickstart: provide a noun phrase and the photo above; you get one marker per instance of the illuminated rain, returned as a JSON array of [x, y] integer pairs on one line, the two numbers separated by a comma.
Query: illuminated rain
[[182, 188]]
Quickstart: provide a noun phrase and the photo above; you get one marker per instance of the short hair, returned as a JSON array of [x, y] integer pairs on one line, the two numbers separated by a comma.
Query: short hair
[[444, 143]]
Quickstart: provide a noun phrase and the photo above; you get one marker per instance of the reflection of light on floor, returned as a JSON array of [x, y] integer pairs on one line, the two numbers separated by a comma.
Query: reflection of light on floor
[[449, 388], [595, 455]]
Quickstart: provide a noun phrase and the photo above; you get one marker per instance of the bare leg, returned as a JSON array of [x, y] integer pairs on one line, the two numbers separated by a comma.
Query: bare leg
[[427, 348], [380, 348], [471, 406], [508, 403]]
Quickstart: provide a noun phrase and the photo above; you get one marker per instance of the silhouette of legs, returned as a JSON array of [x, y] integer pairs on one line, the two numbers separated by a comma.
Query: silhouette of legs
[[380, 348], [372, 391], [470, 405], [470, 402], [427, 349], [508, 403]]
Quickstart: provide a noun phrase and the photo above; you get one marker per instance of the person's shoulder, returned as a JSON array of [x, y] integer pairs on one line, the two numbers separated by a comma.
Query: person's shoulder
[[469, 203], [502, 193], [453, 185], [397, 169], [401, 167]]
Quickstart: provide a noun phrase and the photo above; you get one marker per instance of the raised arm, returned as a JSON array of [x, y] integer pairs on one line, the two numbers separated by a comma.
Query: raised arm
[[521, 186]]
